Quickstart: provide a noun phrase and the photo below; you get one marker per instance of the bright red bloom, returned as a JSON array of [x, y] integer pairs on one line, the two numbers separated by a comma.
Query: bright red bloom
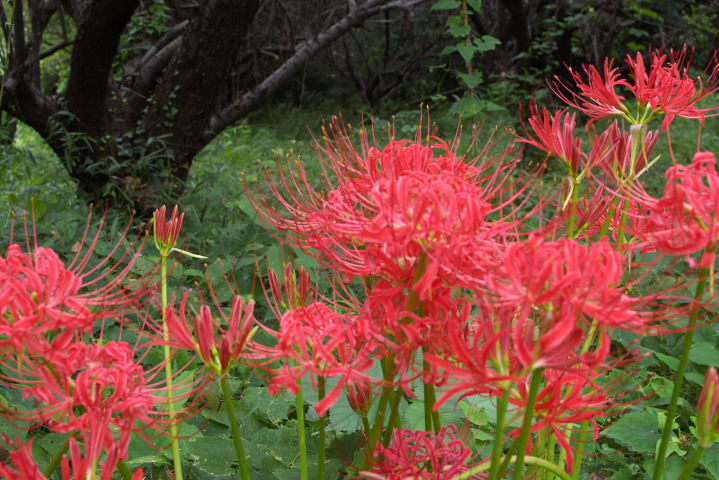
[[40, 294], [598, 97], [314, 339], [422, 455], [555, 135], [665, 89], [218, 347], [686, 218], [668, 89], [396, 208]]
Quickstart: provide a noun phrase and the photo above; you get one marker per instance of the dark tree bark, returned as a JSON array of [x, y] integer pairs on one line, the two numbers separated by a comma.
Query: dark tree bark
[[128, 128]]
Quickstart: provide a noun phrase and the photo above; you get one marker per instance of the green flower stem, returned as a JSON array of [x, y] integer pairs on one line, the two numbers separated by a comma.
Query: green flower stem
[[394, 419], [177, 458], [573, 207], [321, 423], [376, 432], [579, 455], [124, 470], [528, 460], [430, 398], [527, 425], [304, 471], [57, 458], [691, 465], [236, 438], [495, 464], [679, 377]]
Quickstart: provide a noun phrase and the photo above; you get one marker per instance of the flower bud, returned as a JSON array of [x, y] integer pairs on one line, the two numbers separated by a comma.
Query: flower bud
[[708, 410]]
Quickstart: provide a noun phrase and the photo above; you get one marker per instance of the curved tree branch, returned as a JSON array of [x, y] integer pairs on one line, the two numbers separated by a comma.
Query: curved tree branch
[[294, 64]]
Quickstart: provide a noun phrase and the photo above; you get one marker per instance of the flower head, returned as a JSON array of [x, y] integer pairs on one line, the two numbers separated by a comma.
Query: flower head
[[167, 232], [422, 455], [218, 347]]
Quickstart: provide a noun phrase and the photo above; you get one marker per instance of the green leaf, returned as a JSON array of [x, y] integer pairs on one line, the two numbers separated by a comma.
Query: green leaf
[[445, 5], [704, 353], [710, 461], [671, 362], [448, 50], [212, 455], [271, 408], [471, 80], [486, 43], [476, 5], [467, 52], [457, 27], [636, 431]]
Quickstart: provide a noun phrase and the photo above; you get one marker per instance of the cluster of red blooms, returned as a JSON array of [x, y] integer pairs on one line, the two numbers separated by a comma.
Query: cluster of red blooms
[[453, 269], [98, 393]]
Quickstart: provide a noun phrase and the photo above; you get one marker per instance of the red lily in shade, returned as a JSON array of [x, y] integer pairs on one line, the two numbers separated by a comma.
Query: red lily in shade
[[422, 455], [668, 89]]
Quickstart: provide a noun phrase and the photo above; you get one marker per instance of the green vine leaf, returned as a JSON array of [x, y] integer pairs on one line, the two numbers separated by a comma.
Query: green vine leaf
[[445, 5], [486, 43]]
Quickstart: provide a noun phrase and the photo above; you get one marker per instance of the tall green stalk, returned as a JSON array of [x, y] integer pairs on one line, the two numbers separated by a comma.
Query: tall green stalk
[[679, 377], [176, 456], [321, 422], [236, 438], [304, 471], [527, 425], [496, 462]]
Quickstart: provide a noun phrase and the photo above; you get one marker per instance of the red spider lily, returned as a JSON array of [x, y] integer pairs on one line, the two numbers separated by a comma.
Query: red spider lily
[[314, 339], [75, 467], [708, 410], [422, 455], [218, 347], [41, 296], [392, 207], [665, 89], [668, 89], [96, 392], [567, 399], [684, 221], [598, 97], [568, 274], [167, 232], [555, 135]]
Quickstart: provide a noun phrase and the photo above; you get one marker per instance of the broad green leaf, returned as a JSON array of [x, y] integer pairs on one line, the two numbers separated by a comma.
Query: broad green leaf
[[268, 407], [471, 80], [486, 43], [467, 51], [445, 5], [704, 353], [213, 455], [476, 5], [448, 50], [671, 362], [636, 431], [710, 461]]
